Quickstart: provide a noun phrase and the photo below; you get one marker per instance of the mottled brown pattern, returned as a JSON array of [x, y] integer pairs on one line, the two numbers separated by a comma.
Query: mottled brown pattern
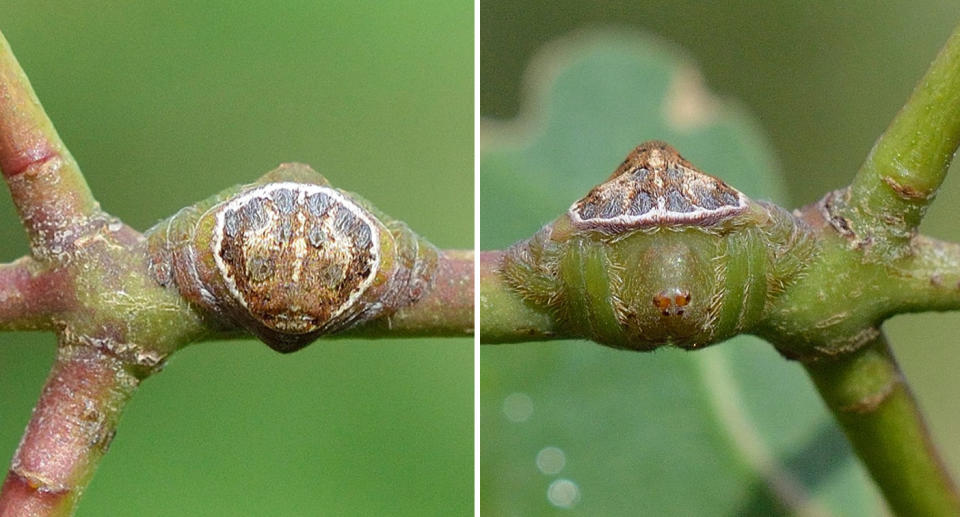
[[296, 256], [908, 193], [656, 186]]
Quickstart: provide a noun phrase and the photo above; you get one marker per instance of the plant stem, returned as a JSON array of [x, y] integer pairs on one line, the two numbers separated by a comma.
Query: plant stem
[[869, 396], [929, 278], [504, 316], [69, 432], [445, 310], [907, 164], [29, 294], [48, 189]]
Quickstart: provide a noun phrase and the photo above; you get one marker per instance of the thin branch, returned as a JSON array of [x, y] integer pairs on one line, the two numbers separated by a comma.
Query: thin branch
[[48, 189], [69, 432], [906, 166], [504, 316], [929, 279], [445, 310], [29, 294], [869, 396]]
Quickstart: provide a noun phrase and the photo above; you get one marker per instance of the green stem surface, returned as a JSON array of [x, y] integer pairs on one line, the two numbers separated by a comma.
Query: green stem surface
[[904, 170], [868, 395], [505, 317]]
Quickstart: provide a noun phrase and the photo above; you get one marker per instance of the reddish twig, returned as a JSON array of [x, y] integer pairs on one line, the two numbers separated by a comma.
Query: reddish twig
[[70, 430], [47, 187], [29, 294], [445, 310]]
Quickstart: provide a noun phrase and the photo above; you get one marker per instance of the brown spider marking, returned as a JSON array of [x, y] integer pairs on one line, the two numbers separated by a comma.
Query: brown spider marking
[[296, 255], [671, 302], [655, 186]]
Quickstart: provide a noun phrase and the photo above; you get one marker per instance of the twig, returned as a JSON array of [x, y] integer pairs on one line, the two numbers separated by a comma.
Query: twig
[[904, 170], [48, 190], [445, 310], [867, 393], [929, 278], [69, 432], [29, 294], [505, 317]]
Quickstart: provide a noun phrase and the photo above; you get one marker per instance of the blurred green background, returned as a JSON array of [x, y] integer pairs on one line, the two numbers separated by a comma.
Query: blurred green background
[[823, 79], [166, 103]]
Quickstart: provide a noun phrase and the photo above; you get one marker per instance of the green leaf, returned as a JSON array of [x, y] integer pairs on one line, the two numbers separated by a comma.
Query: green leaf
[[732, 430]]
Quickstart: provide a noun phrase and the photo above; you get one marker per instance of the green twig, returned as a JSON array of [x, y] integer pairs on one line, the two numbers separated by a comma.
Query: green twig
[[904, 170], [505, 317], [867, 393], [929, 278]]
